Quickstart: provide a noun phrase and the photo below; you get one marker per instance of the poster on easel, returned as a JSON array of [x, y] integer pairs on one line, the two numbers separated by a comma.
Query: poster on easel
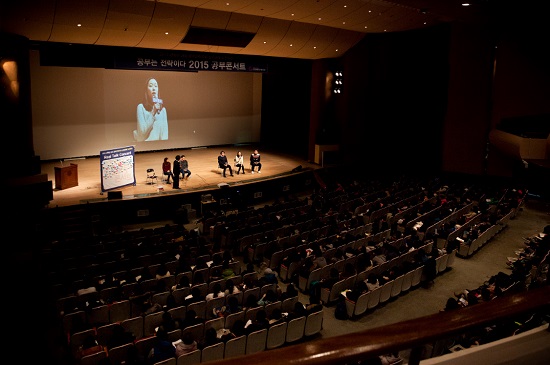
[[117, 168]]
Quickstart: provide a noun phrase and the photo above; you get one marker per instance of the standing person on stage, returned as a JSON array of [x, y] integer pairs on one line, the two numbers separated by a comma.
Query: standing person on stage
[[176, 173], [255, 162], [239, 162], [184, 165], [222, 162], [152, 120], [167, 169]]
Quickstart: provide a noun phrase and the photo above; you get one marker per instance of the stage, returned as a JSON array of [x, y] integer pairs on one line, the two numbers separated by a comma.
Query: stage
[[204, 179]]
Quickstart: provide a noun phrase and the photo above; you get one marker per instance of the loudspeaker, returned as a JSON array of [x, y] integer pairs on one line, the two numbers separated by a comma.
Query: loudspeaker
[[297, 168], [223, 185], [114, 195]]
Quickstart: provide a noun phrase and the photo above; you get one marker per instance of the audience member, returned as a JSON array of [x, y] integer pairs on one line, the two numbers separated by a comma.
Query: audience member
[[259, 323], [210, 338], [119, 337], [191, 319], [89, 346], [217, 292], [162, 271], [186, 345], [163, 348]]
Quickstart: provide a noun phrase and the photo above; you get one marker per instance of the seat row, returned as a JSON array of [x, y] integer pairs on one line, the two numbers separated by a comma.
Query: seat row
[[468, 249], [393, 288], [130, 317], [266, 339]]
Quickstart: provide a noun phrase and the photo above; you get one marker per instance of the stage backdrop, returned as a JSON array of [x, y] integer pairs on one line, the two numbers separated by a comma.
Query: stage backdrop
[[78, 111]]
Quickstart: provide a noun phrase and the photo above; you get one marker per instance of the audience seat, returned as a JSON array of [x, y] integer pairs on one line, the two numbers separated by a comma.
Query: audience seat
[[190, 358], [256, 341], [235, 347], [295, 329], [213, 352], [276, 336]]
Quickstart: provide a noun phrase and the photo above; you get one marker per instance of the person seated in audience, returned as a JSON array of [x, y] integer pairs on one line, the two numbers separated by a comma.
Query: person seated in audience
[[390, 359], [210, 338], [364, 261], [217, 292], [186, 345], [230, 287], [89, 346], [338, 255], [198, 278], [379, 256], [107, 281], [314, 305], [290, 292], [298, 311], [250, 302], [333, 278], [307, 267], [200, 263], [184, 263], [259, 323], [349, 271], [238, 329], [319, 260], [120, 337], [162, 349], [269, 297], [88, 286], [372, 282], [227, 270], [359, 288], [269, 277], [276, 317], [194, 296], [144, 274], [232, 306], [169, 323], [182, 283], [191, 319], [249, 269], [215, 273], [162, 271], [451, 304]]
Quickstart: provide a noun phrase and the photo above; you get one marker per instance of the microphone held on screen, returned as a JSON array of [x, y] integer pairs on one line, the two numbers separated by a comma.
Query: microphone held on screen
[[158, 101]]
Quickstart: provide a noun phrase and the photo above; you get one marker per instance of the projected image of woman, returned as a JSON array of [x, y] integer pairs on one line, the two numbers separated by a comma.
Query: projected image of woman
[[152, 119]]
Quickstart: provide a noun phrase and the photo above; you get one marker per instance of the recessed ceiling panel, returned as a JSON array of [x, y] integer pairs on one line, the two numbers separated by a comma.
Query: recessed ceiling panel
[[90, 15], [168, 26], [28, 18]]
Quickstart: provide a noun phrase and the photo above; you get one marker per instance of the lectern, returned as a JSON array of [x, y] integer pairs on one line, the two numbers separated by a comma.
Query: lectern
[[66, 176]]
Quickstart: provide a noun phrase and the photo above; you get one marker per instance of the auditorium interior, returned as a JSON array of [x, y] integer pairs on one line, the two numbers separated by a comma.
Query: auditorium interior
[[411, 127]]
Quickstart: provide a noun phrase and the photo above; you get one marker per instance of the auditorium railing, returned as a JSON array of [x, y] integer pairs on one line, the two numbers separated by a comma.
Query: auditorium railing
[[412, 334]]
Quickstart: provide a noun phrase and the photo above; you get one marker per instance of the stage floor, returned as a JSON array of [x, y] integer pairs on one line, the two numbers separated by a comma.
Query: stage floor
[[202, 163]]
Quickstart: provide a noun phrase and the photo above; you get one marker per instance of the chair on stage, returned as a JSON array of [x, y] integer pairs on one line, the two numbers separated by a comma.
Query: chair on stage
[[151, 176]]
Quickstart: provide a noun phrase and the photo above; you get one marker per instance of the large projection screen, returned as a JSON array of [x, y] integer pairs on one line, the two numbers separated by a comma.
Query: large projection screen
[[78, 112]]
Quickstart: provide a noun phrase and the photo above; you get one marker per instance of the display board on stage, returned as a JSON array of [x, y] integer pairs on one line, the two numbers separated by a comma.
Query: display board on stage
[[117, 168]]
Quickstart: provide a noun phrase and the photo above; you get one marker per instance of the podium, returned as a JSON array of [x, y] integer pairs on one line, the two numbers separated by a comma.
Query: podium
[[66, 176]]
